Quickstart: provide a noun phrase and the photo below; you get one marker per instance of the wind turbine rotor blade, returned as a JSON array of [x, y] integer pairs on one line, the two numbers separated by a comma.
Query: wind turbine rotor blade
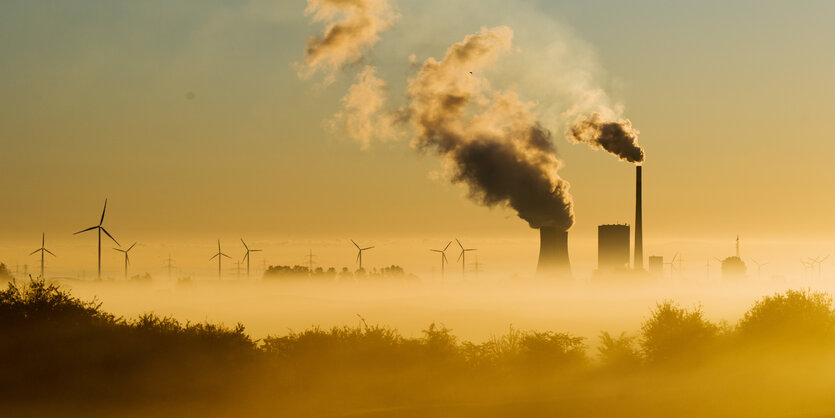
[[50, 252], [447, 245], [367, 248], [118, 249], [225, 255], [246, 255], [33, 252], [213, 257], [242, 241], [459, 256], [129, 248], [437, 251], [43, 239], [102, 212], [355, 245], [127, 258], [459, 243], [85, 230], [111, 236], [255, 251]]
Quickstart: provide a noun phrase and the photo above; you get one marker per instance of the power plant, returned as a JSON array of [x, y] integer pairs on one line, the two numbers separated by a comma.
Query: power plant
[[656, 265], [553, 254], [612, 247], [638, 262], [733, 268]]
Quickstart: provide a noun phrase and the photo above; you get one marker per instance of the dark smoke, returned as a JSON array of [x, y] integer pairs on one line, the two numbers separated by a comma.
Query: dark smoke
[[492, 140], [616, 137]]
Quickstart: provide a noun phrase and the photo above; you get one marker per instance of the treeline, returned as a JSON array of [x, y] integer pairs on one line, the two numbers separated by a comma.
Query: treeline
[[58, 351], [304, 272]]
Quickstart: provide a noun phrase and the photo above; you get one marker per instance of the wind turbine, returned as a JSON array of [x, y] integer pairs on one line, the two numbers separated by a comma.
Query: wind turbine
[[818, 261], [359, 253], [42, 250], [759, 266], [246, 256], [463, 258], [219, 256], [443, 257], [672, 264], [127, 259], [477, 267], [100, 229]]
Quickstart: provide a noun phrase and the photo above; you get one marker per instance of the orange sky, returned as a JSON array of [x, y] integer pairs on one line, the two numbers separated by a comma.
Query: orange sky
[[193, 121]]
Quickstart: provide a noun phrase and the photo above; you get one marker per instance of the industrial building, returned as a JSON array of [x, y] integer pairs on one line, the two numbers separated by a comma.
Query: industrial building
[[733, 268], [612, 247], [656, 265], [553, 254]]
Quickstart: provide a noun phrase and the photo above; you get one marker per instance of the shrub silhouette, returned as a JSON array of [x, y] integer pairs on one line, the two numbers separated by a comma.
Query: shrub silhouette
[[792, 318], [72, 351], [620, 352], [676, 334]]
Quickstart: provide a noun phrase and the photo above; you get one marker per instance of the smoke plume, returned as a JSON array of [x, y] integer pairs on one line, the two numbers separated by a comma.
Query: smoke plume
[[615, 136], [352, 27], [363, 116], [492, 140]]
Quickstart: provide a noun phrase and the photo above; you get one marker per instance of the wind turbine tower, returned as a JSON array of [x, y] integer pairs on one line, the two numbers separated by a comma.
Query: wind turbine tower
[[443, 258], [759, 266], [127, 259], [219, 256], [100, 229], [246, 256], [463, 258], [42, 250]]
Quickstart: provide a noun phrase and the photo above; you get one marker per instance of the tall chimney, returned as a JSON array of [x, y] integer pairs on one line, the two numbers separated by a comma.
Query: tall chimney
[[638, 262], [553, 254]]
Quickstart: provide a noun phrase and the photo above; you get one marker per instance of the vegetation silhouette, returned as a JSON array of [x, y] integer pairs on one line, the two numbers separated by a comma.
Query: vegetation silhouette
[[62, 355], [298, 272]]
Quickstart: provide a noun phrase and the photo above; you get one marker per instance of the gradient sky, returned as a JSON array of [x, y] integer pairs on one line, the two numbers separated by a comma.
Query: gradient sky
[[190, 118]]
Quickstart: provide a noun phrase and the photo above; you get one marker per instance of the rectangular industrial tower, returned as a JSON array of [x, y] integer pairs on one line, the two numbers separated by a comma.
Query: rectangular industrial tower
[[612, 247]]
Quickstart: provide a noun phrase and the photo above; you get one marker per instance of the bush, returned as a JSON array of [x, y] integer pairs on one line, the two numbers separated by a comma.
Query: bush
[[792, 318], [618, 352], [675, 334]]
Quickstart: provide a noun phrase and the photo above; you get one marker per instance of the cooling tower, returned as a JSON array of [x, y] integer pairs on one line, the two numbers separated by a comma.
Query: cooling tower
[[553, 254], [638, 262]]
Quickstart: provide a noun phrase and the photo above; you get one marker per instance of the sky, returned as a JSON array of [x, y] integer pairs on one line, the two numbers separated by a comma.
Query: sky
[[191, 118]]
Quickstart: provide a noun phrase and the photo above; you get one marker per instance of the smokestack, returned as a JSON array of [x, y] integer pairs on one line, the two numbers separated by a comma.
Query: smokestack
[[553, 253], [638, 262]]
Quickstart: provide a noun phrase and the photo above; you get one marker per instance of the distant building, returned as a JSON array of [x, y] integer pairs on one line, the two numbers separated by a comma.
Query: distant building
[[733, 268], [656, 265], [612, 247]]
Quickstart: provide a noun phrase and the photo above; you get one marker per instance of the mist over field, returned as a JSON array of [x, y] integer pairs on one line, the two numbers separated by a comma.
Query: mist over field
[[474, 310]]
